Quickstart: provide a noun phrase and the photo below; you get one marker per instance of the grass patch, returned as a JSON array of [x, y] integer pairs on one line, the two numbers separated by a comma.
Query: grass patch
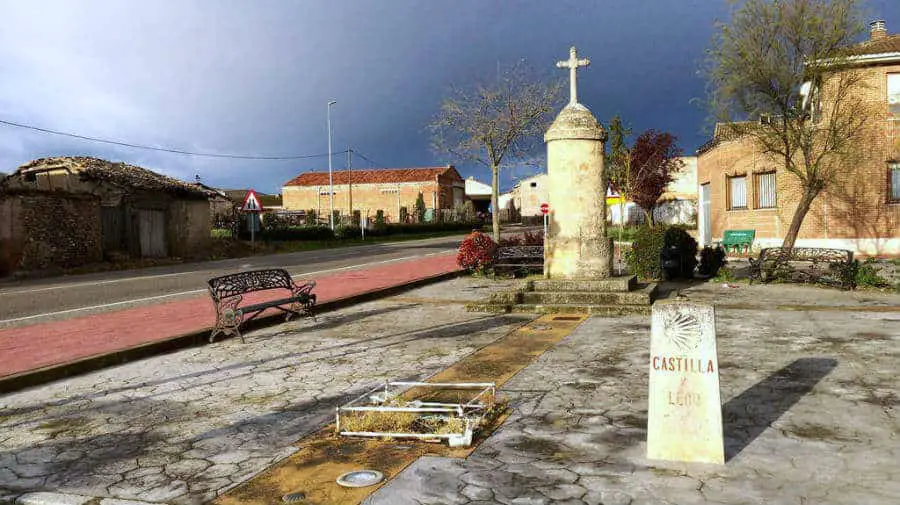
[[411, 422]]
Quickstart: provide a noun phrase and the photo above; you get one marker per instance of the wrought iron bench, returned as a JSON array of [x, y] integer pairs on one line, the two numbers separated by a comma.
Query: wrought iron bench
[[519, 257], [832, 267], [227, 293]]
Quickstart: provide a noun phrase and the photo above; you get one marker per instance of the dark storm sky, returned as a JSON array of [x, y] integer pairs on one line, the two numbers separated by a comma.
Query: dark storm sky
[[254, 77]]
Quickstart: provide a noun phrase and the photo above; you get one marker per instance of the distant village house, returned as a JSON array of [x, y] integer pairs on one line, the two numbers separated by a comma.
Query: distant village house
[[368, 191]]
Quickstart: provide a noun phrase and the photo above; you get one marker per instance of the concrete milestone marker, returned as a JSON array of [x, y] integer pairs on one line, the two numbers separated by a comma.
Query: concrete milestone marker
[[684, 412]]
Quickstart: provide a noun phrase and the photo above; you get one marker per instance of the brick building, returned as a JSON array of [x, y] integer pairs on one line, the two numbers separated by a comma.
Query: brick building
[[385, 189], [740, 188]]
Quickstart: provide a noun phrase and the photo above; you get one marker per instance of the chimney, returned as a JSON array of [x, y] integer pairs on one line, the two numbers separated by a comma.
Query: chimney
[[877, 30]]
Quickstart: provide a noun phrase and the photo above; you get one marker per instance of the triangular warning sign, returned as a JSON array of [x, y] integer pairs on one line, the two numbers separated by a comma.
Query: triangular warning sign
[[251, 202]]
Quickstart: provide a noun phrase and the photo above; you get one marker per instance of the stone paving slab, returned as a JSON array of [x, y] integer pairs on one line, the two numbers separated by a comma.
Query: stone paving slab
[[810, 410], [183, 427]]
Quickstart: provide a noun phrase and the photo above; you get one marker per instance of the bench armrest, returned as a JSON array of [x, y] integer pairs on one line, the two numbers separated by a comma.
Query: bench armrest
[[302, 287]]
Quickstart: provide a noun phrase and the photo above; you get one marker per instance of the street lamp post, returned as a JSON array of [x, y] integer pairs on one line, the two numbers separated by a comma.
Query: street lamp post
[[330, 174]]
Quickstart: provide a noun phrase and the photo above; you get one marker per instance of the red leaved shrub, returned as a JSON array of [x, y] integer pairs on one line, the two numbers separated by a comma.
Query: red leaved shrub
[[476, 252]]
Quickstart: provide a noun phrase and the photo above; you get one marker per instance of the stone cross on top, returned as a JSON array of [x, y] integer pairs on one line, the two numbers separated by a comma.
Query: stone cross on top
[[572, 64]]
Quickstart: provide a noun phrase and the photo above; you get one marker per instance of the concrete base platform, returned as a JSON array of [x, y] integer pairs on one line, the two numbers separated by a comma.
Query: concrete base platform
[[614, 296]]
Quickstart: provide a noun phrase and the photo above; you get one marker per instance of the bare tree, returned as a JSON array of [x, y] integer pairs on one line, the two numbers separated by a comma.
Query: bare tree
[[494, 122], [779, 75]]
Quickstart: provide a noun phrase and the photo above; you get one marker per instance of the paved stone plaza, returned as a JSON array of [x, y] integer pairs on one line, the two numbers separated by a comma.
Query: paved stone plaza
[[810, 415], [811, 407], [182, 427]]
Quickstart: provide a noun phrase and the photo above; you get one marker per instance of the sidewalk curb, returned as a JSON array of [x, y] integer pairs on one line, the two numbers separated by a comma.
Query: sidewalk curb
[[23, 380]]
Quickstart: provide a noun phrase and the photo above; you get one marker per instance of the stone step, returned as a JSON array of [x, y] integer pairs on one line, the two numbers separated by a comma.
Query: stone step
[[594, 310], [619, 284], [641, 297]]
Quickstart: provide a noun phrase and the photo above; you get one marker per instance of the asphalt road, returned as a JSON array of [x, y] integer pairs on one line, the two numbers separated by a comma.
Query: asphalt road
[[35, 301]]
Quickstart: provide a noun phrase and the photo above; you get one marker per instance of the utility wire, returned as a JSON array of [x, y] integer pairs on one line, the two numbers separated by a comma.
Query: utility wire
[[371, 163], [166, 150]]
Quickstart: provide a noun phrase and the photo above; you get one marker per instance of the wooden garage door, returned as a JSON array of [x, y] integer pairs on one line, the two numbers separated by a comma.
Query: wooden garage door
[[111, 229], [152, 228]]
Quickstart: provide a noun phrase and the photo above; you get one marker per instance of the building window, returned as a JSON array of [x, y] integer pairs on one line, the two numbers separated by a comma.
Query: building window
[[737, 192], [894, 168], [893, 94], [765, 191], [389, 190], [533, 184]]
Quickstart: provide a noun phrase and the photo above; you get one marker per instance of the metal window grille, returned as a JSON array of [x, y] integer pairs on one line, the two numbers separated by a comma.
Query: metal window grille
[[893, 94], [895, 182], [765, 189], [738, 192]]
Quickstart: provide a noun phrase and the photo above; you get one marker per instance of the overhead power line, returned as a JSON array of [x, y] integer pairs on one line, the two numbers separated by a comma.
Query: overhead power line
[[167, 150], [371, 163]]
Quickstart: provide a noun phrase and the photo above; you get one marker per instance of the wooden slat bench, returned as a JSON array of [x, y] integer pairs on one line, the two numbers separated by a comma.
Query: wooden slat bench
[[832, 267], [227, 294], [738, 240], [514, 258]]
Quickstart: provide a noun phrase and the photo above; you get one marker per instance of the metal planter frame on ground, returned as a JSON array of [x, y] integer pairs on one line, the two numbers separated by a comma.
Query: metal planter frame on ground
[[472, 411]]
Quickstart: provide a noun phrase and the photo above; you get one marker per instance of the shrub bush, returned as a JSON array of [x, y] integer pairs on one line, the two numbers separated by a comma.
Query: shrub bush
[[404, 214], [408, 229], [274, 223], [379, 219], [419, 208], [711, 260], [311, 218], [644, 256], [476, 252], [866, 274], [345, 232]]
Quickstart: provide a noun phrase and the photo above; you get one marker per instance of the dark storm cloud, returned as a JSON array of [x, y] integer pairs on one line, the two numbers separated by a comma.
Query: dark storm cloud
[[254, 76]]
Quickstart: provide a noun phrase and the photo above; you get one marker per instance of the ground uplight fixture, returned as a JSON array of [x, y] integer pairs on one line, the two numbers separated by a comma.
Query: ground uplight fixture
[[360, 478]]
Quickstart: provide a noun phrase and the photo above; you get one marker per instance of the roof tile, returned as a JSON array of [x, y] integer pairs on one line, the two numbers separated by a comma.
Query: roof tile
[[886, 44], [375, 176]]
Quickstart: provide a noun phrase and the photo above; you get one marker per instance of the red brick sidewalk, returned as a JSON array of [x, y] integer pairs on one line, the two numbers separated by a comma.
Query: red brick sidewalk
[[40, 345]]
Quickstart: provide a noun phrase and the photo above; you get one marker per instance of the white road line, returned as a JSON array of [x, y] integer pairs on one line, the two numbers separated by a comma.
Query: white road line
[[194, 291], [336, 254]]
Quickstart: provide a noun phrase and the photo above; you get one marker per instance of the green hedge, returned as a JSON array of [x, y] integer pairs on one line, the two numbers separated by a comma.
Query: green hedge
[[644, 256], [324, 233]]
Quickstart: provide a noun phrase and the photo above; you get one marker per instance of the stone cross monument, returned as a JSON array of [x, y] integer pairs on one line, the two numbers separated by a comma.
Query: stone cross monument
[[572, 64], [577, 247]]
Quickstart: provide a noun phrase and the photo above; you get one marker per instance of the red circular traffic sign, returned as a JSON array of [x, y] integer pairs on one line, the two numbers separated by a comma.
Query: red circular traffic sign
[[545, 208]]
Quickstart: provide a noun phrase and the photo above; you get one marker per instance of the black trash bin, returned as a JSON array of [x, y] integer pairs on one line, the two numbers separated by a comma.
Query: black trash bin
[[671, 262]]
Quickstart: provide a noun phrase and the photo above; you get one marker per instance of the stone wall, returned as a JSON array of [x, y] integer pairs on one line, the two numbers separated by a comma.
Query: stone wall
[[43, 231], [189, 228]]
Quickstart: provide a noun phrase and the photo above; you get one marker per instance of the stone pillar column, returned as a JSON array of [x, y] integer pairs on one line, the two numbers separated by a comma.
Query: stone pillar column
[[577, 247]]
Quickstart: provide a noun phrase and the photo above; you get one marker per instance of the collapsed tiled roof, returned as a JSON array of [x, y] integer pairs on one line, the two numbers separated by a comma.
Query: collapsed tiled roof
[[882, 45], [376, 176], [117, 173]]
